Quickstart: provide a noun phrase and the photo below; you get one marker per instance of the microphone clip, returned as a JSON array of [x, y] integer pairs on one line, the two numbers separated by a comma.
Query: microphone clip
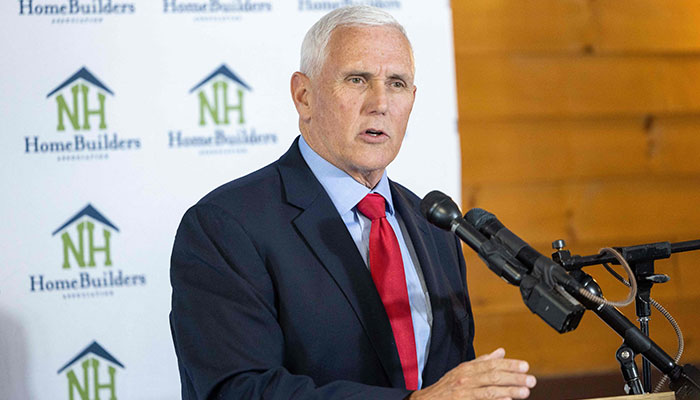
[[557, 308]]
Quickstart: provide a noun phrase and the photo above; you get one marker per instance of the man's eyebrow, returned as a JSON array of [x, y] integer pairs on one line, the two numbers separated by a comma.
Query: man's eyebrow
[[369, 75], [363, 74], [402, 77]]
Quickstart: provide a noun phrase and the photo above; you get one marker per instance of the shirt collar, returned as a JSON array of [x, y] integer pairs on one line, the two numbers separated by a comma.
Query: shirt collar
[[344, 191]]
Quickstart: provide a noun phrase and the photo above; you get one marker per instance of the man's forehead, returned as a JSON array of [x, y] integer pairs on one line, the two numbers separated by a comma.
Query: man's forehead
[[360, 45], [353, 30]]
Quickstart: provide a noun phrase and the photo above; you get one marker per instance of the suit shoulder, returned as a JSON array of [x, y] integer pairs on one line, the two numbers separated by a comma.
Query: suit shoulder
[[245, 191]]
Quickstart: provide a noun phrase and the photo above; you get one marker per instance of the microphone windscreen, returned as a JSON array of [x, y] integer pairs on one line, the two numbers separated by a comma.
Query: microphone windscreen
[[439, 209], [429, 201], [478, 217]]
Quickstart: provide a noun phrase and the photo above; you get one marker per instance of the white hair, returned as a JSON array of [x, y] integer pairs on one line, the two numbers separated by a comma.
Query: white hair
[[313, 48]]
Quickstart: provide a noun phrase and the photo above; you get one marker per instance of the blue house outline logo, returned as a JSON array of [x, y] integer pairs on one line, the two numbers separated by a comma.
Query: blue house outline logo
[[225, 71], [72, 110], [79, 251], [216, 102], [93, 364], [82, 73], [88, 211]]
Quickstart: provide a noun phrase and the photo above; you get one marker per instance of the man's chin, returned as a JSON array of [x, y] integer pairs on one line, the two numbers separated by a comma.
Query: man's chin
[[367, 174]]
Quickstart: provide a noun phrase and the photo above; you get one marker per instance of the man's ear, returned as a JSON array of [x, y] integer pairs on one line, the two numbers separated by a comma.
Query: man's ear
[[301, 95]]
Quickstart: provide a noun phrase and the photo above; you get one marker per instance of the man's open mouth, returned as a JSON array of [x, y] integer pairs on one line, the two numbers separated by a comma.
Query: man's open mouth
[[373, 132]]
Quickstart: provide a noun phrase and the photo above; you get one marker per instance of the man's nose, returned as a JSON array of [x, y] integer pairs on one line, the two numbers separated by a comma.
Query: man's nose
[[377, 100]]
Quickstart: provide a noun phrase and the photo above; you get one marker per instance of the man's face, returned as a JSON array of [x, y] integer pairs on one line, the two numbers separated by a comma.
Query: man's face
[[359, 104]]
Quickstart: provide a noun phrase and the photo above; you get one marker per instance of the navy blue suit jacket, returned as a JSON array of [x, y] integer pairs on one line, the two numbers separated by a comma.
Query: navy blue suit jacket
[[271, 298]]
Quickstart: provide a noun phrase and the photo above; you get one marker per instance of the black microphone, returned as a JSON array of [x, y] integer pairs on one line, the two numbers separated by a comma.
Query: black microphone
[[539, 287], [489, 225], [442, 212]]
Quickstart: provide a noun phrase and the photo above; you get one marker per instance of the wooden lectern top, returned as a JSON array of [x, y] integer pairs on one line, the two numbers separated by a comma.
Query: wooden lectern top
[[655, 396]]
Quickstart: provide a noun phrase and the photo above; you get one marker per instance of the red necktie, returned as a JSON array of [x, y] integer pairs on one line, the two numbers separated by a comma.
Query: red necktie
[[389, 277]]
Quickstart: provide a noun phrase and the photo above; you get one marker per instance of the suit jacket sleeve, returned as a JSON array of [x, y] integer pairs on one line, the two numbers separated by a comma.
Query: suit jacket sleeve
[[224, 319]]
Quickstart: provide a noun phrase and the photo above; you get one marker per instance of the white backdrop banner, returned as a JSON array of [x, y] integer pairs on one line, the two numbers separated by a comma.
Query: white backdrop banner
[[115, 117]]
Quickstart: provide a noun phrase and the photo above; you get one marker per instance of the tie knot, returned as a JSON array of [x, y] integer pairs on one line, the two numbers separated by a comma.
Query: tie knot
[[372, 206]]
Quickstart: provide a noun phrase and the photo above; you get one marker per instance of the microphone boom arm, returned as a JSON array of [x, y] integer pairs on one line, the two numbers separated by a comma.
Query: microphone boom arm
[[546, 287]]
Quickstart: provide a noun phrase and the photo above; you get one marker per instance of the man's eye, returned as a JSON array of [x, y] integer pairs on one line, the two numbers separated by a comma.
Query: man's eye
[[355, 79], [398, 84]]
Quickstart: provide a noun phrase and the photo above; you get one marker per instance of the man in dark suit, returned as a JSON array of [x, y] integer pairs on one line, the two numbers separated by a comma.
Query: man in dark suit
[[285, 281]]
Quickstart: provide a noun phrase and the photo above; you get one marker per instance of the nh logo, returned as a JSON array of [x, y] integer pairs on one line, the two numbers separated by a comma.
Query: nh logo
[[222, 101], [85, 255], [92, 378], [83, 105]]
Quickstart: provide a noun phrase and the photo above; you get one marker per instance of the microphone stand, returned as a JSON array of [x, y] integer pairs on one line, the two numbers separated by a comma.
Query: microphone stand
[[541, 281], [641, 260]]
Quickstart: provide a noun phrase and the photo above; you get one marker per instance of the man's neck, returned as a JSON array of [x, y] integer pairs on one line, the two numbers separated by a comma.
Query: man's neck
[[369, 179]]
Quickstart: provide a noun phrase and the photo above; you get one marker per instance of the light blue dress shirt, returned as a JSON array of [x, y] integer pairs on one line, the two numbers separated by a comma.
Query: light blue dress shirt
[[345, 193]]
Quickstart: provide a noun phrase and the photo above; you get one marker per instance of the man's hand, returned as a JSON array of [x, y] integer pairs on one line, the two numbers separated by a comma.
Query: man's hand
[[487, 377]]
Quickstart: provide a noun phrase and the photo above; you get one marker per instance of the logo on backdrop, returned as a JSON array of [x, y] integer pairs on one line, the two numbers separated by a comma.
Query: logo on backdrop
[[74, 11], [82, 109], [92, 373], [216, 10], [328, 5], [87, 267], [222, 117]]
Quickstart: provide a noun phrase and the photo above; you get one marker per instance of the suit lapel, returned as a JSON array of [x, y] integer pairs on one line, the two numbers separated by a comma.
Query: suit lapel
[[328, 238], [426, 251]]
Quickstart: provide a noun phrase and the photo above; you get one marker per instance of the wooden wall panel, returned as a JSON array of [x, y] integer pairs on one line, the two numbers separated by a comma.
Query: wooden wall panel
[[576, 26], [499, 25], [647, 25], [688, 274], [612, 210], [675, 145], [636, 210], [538, 212], [566, 149], [580, 120], [539, 86], [493, 151]]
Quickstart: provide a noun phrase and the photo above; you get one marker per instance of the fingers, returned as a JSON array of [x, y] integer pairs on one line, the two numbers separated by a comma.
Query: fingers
[[493, 377], [495, 392], [498, 372], [490, 376], [504, 378], [498, 353], [495, 362]]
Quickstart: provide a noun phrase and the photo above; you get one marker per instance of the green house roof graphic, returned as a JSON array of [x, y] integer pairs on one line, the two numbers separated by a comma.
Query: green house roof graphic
[[96, 349], [85, 75], [225, 71], [91, 212]]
